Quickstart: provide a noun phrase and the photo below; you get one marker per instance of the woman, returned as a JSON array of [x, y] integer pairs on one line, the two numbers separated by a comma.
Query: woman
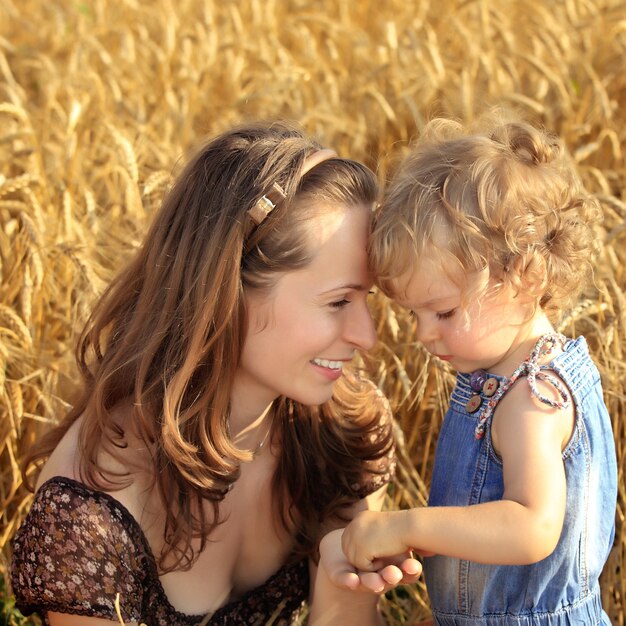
[[218, 436]]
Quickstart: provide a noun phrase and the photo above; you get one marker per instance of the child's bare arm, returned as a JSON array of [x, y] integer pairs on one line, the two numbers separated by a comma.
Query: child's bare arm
[[523, 527]]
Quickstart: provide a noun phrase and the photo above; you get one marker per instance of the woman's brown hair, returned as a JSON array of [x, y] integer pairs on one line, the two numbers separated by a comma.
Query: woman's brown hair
[[168, 332]]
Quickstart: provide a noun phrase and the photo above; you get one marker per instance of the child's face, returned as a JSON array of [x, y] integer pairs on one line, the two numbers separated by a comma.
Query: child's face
[[488, 336]]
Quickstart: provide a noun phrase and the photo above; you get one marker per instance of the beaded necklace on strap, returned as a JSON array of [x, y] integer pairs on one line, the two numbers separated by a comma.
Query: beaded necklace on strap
[[544, 346]]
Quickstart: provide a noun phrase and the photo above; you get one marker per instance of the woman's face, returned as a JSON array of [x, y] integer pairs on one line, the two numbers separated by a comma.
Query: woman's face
[[310, 324]]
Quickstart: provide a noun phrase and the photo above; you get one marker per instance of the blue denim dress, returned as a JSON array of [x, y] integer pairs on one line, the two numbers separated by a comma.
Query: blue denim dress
[[562, 589]]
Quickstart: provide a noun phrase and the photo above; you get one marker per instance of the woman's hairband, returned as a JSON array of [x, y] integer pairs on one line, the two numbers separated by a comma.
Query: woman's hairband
[[315, 158], [266, 203]]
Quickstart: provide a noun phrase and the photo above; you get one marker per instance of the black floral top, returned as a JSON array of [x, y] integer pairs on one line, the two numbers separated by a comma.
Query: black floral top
[[78, 548]]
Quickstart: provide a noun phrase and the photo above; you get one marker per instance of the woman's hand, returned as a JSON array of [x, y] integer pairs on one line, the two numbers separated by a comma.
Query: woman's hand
[[400, 569]]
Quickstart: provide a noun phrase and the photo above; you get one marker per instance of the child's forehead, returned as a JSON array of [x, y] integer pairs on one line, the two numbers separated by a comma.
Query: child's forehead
[[429, 282]]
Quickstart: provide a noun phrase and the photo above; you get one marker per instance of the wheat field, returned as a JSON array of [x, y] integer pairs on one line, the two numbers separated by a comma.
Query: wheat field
[[100, 98]]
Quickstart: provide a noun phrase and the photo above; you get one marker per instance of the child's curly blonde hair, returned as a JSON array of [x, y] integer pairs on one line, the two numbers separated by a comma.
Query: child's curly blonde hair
[[504, 203]]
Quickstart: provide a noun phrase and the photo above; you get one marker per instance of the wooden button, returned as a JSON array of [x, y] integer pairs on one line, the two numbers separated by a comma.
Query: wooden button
[[490, 387], [473, 404]]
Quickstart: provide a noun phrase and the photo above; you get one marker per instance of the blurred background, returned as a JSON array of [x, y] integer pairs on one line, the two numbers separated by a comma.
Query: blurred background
[[100, 99]]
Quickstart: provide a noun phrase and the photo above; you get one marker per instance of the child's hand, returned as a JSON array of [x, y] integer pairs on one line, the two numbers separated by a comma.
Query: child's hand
[[399, 569], [372, 536]]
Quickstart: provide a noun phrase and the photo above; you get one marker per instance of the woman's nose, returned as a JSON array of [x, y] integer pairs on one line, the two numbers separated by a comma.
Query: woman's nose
[[360, 329]]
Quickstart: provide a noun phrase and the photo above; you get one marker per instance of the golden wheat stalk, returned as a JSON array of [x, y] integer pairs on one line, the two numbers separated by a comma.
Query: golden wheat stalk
[[98, 101]]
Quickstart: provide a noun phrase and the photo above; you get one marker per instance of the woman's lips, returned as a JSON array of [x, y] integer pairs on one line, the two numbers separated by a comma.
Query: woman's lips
[[330, 369]]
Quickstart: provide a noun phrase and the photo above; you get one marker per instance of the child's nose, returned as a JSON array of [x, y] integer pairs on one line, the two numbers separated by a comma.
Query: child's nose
[[426, 331]]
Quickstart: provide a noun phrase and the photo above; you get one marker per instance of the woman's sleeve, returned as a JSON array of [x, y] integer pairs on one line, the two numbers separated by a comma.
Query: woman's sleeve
[[74, 553]]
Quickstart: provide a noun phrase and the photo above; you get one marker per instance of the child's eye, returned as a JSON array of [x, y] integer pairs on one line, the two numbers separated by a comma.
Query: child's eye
[[339, 304], [444, 315]]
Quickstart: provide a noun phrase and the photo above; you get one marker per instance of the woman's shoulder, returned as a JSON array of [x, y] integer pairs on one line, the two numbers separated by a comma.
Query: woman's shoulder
[[131, 475], [67, 493], [77, 548], [63, 461]]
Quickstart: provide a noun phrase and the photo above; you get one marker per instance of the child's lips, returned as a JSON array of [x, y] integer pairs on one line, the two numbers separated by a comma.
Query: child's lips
[[444, 357]]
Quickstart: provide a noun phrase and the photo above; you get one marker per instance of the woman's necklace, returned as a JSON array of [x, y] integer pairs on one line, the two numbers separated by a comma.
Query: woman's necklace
[[256, 452], [260, 445]]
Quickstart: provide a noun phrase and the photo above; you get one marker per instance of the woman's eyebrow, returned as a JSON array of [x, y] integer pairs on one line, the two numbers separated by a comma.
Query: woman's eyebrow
[[348, 286]]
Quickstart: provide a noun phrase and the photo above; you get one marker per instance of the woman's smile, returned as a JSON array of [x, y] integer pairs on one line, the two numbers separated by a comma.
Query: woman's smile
[[330, 369]]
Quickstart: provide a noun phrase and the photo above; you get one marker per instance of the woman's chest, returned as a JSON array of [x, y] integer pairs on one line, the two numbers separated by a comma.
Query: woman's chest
[[247, 547]]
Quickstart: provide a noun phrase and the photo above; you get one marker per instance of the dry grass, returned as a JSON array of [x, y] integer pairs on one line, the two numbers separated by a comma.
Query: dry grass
[[99, 99]]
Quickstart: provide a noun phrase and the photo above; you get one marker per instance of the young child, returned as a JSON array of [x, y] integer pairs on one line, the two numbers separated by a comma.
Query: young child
[[487, 238]]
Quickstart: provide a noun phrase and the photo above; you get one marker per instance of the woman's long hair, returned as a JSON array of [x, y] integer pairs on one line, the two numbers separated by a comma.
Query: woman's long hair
[[167, 334]]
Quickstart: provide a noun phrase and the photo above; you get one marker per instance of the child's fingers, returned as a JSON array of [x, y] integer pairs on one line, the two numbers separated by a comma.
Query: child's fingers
[[364, 564], [354, 551]]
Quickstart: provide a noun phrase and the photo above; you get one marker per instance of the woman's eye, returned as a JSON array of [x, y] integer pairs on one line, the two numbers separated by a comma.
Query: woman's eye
[[339, 304], [444, 315]]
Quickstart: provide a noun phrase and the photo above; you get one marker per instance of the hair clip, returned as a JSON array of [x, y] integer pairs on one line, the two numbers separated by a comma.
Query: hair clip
[[266, 204]]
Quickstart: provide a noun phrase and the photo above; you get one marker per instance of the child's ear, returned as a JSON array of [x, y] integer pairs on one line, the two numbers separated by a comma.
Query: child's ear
[[532, 275]]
